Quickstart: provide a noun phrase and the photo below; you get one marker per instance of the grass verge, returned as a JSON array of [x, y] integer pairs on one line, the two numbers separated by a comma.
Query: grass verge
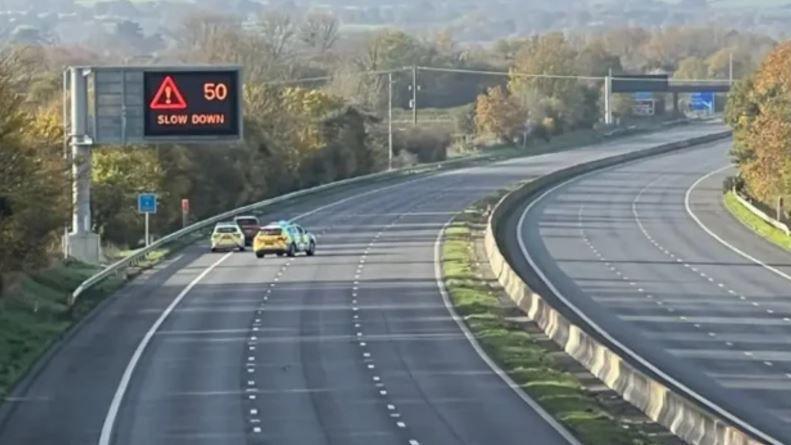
[[560, 385], [754, 223], [33, 315]]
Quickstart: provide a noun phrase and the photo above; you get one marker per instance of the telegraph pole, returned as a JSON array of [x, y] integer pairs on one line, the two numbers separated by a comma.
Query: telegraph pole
[[730, 69], [389, 121]]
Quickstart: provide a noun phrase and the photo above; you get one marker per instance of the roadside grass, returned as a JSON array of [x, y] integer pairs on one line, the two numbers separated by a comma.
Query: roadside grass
[[754, 223], [34, 314], [531, 359]]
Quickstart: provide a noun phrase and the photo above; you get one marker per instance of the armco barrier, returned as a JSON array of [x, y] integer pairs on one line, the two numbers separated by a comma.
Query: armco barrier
[[683, 412], [139, 256], [761, 214]]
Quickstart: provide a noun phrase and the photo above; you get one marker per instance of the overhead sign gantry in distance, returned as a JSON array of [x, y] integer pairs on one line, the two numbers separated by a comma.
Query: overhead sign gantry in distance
[[191, 103]]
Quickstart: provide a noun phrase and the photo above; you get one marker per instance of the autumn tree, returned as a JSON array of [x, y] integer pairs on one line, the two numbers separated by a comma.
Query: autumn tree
[[496, 114], [562, 99], [692, 68], [759, 109]]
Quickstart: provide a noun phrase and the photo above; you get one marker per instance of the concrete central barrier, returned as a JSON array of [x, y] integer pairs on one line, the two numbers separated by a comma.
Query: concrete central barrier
[[682, 413]]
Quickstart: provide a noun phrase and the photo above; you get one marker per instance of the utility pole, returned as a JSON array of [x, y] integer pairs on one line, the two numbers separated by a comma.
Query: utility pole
[[608, 98], [414, 95], [389, 121], [730, 69]]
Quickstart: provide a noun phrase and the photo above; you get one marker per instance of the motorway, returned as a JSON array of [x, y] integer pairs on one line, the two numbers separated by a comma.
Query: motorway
[[648, 253], [354, 345]]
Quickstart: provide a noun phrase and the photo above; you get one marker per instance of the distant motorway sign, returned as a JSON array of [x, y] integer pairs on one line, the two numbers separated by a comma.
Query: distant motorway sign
[[703, 101]]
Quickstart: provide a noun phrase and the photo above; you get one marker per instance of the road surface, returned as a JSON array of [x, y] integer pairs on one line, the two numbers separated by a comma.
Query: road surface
[[354, 345], [621, 246]]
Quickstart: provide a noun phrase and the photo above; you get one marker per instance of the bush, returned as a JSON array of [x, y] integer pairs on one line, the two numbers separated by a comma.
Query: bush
[[732, 183], [429, 145]]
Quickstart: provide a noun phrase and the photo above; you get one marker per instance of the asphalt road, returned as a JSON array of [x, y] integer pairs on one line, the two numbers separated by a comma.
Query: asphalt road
[[620, 245], [353, 345]]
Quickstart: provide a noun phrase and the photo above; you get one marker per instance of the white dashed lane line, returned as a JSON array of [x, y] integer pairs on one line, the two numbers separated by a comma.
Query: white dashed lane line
[[669, 254]]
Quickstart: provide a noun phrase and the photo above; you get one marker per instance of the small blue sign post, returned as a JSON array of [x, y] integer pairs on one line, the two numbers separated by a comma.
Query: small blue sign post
[[702, 101], [147, 204]]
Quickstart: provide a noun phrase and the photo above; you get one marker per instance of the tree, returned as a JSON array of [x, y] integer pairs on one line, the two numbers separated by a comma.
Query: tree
[[119, 175], [595, 60], [496, 114], [278, 30], [759, 109], [390, 49], [319, 31], [32, 175], [692, 68], [564, 100], [547, 54], [207, 34], [626, 44]]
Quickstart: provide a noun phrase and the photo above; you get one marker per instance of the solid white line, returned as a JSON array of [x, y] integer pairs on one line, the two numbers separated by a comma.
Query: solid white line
[[115, 404], [717, 237], [562, 431], [120, 392], [601, 331]]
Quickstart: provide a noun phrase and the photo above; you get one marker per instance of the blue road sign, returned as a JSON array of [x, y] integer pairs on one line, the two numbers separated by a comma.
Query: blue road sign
[[702, 101], [147, 203]]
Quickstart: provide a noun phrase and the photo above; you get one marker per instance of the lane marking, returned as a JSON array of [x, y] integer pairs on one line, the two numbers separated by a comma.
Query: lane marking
[[123, 385], [601, 331], [562, 431], [697, 220]]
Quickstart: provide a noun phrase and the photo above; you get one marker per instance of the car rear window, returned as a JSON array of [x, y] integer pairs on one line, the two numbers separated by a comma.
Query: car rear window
[[247, 222], [226, 230], [271, 231]]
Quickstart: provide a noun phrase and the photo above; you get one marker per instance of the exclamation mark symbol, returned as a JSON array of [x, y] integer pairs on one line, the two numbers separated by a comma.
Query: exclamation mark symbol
[[168, 92]]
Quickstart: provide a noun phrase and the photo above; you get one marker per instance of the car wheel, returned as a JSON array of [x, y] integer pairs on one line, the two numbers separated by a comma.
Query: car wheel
[[292, 250], [213, 250], [241, 248], [259, 254], [312, 249], [280, 254]]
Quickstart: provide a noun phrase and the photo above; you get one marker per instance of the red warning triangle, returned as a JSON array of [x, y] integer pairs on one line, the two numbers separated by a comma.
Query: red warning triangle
[[168, 97]]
